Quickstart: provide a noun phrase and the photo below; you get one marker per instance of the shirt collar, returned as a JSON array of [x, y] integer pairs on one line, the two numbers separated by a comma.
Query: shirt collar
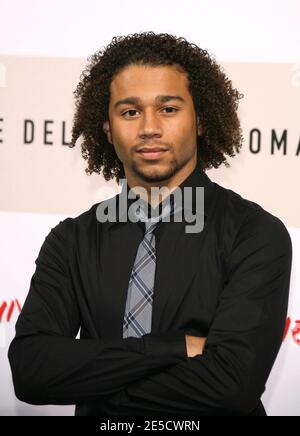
[[197, 178]]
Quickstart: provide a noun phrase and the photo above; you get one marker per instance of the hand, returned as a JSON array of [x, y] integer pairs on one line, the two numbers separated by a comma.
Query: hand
[[194, 345]]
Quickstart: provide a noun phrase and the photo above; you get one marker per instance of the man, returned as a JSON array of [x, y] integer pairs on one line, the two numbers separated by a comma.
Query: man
[[171, 321]]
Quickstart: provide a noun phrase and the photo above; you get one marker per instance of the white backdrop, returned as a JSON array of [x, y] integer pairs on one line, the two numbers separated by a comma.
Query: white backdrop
[[235, 31]]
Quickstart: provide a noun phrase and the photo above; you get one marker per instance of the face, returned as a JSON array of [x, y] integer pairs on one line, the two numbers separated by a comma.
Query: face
[[151, 107]]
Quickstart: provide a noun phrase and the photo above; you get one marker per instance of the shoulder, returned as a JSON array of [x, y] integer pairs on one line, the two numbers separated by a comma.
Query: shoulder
[[70, 227], [246, 220]]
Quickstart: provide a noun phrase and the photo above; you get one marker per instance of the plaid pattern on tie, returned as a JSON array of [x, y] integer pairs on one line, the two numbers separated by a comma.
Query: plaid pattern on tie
[[138, 311]]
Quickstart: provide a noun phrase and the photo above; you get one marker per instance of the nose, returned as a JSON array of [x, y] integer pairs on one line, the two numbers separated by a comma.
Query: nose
[[150, 125]]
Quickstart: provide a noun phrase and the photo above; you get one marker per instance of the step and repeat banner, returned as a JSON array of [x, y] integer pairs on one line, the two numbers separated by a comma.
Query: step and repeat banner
[[42, 180]]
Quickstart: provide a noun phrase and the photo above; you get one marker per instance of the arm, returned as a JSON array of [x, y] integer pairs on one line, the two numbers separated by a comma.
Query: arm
[[50, 366], [243, 341]]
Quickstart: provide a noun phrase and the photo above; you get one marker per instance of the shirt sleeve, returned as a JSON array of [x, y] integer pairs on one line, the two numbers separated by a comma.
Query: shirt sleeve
[[243, 341], [50, 366]]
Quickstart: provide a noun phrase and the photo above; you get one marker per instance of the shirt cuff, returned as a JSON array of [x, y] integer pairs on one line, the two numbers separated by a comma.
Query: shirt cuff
[[165, 349]]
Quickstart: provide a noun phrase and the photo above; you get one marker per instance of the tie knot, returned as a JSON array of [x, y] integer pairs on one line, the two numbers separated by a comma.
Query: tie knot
[[150, 224]]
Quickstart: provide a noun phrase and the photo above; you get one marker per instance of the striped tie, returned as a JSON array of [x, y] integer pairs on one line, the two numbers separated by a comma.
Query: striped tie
[[138, 311]]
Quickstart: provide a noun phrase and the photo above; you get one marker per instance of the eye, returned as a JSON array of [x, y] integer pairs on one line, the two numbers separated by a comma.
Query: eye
[[170, 107], [127, 112], [131, 112]]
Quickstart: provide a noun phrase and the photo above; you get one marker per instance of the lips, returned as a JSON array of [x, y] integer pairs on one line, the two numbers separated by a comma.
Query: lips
[[151, 149], [151, 153]]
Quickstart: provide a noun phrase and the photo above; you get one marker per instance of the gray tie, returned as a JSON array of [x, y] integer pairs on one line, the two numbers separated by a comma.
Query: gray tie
[[138, 311]]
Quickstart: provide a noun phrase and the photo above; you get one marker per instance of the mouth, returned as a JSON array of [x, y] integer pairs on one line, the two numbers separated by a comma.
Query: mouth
[[151, 153]]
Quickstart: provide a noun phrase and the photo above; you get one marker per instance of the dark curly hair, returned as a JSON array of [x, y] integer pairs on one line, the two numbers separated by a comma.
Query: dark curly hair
[[215, 100]]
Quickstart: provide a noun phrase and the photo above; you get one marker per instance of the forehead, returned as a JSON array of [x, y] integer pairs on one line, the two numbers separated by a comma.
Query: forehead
[[144, 80]]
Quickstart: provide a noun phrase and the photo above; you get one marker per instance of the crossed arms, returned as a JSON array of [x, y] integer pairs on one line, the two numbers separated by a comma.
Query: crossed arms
[[154, 373]]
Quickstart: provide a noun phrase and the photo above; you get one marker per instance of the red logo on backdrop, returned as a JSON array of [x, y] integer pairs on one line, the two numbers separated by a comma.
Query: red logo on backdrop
[[296, 332], [294, 329], [8, 308]]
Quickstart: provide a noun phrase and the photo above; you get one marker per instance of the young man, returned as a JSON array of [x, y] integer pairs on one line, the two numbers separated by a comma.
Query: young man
[[171, 321]]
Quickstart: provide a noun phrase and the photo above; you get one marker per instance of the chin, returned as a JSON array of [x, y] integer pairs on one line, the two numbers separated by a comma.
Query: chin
[[155, 174]]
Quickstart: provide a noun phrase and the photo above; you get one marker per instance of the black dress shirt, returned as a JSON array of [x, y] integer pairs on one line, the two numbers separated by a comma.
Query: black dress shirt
[[229, 283]]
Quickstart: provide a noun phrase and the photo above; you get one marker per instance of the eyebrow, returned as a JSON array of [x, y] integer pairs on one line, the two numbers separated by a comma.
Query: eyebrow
[[158, 99]]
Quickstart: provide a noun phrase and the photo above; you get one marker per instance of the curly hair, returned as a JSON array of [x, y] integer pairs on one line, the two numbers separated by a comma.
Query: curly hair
[[215, 100]]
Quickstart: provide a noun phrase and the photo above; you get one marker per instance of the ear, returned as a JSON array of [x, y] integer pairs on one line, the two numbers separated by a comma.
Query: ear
[[107, 131]]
